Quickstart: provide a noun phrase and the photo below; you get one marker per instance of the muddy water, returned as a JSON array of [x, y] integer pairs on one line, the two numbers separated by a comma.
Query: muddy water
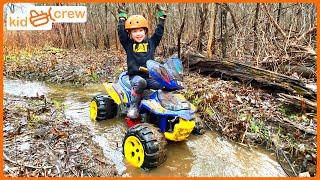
[[202, 156]]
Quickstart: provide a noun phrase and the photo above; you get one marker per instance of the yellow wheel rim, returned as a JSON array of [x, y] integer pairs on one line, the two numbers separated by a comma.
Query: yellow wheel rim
[[133, 151], [93, 110]]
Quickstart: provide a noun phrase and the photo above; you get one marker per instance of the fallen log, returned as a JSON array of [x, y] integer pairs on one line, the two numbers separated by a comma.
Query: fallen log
[[243, 72], [303, 70], [301, 127], [298, 101]]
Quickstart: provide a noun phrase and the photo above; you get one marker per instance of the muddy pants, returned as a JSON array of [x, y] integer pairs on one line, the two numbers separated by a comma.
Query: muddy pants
[[139, 84]]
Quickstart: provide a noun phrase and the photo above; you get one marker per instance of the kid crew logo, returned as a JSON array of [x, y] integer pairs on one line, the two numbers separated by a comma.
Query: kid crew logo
[[42, 17]]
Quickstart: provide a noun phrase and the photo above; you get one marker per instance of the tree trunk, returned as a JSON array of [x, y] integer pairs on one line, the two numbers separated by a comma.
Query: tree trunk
[[150, 17], [63, 29], [313, 15], [203, 12], [223, 35], [106, 41], [255, 31], [181, 30], [212, 32], [73, 36], [284, 35], [299, 18], [278, 16], [234, 21], [117, 43]]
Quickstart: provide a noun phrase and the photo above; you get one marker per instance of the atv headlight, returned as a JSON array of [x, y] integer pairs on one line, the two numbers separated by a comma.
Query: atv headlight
[[184, 105], [175, 106], [173, 102]]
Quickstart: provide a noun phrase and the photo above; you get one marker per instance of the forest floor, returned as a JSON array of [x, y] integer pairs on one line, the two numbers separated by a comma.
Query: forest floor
[[240, 112], [40, 142]]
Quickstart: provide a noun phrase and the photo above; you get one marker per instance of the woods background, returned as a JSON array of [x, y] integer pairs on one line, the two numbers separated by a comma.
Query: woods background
[[264, 35]]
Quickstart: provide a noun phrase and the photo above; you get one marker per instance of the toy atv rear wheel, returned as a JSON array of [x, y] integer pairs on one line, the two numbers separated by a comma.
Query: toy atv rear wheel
[[144, 146], [199, 128], [102, 107]]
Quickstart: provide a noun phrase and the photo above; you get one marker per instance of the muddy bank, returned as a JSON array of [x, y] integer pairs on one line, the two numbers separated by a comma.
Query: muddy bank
[[40, 142], [64, 66], [249, 116], [253, 117]]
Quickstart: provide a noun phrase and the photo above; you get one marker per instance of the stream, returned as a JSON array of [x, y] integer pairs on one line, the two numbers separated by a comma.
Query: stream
[[209, 155]]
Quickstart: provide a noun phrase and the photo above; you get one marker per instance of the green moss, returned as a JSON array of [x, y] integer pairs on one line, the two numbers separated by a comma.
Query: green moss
[[57, 104], [208, 111], [34, 121], [95, 77], [25, 54], [257, 126], [289, 110], [293, 117], [196, 101], [254, 127], [55, 50], [11, 57]]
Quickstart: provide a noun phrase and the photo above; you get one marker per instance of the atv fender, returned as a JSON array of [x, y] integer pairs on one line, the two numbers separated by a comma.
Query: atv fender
[[116, 93]]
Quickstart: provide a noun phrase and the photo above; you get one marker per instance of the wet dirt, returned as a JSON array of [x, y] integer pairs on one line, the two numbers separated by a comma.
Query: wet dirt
[[209, 155]]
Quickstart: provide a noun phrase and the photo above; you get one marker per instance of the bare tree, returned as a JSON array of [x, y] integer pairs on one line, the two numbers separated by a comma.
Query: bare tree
[[203, 14], [117, 43], [223, 31], [249, 31], [106, 40], [255, 31], [234, 21], [181, 30], [279, 15], [274, 22], [212, 31]]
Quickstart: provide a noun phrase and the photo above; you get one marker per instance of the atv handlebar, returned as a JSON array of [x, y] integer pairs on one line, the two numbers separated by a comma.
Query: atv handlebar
[[143, 69]]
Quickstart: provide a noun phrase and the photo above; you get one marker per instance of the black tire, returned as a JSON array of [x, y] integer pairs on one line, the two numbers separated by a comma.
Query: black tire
[[153, 142], [106, 107], [199, 128]]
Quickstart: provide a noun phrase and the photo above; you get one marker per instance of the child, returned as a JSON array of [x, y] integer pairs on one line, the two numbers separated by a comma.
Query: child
[[132, 33]]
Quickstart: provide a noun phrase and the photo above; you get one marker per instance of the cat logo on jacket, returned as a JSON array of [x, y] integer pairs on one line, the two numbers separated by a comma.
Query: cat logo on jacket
[[141, 47]]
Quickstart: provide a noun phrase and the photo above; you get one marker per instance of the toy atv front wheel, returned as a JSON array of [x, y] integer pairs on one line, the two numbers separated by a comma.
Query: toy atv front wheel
[[144, 146], [102, 107]]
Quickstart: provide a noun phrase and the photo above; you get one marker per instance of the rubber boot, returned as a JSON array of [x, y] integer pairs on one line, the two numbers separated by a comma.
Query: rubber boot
[[133, 111]]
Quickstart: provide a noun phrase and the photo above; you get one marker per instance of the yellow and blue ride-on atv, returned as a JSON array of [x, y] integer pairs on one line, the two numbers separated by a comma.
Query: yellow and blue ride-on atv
[[165, 114]]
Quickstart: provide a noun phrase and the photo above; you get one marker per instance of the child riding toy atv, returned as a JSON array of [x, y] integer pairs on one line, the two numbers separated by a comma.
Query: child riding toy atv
[[164, 114]]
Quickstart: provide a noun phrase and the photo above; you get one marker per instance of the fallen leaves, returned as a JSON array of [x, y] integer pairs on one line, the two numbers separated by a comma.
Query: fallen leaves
[[52, 146], [253, 116], [66, 66]]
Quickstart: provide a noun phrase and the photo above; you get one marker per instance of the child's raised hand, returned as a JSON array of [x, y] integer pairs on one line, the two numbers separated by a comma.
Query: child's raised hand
[[160, 12], [123, 11]]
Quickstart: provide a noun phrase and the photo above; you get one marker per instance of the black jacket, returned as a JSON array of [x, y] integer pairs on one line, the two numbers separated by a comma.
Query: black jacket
[[139, 53]]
